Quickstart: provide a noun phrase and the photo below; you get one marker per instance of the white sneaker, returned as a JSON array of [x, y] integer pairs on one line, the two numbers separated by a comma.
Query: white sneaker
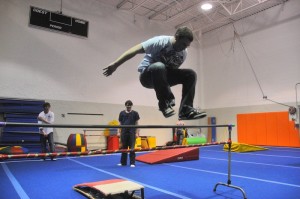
[[132, 165]]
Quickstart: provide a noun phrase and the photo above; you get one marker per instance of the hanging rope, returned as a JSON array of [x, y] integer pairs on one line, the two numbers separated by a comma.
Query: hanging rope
[[236, 35]]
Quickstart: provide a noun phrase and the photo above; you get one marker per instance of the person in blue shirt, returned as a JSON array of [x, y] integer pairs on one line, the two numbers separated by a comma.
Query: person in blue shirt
[[159, 70], [128, 135]]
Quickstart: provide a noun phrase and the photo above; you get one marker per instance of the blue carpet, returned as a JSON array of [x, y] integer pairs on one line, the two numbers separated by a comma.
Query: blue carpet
[[265, 174]]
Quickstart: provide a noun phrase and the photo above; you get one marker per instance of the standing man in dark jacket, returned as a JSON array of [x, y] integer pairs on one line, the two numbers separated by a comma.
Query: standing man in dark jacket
[[128, 135]]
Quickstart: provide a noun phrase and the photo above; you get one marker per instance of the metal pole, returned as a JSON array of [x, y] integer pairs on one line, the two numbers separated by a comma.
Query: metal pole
[[101, 152], [229, 155], [228, 184], [12, 124]]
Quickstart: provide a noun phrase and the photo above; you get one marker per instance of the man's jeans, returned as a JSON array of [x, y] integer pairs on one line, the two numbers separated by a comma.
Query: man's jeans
[[161, 78]]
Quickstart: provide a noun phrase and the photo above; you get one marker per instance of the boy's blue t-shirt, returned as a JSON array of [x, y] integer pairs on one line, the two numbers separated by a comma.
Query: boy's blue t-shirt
[[160, 49]]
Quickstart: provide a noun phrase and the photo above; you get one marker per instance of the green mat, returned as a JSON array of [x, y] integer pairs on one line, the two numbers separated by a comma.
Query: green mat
[[194, 140]]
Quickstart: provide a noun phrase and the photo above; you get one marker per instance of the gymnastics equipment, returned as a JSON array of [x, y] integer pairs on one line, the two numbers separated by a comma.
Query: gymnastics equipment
[[77, 142], [112, 142], [148, 142], [99, 152], [13, 150], [166, 156], [194, 140], [269, 128], [16, 124], [114, 188], [138, 143], [227, 184], [240, 147]]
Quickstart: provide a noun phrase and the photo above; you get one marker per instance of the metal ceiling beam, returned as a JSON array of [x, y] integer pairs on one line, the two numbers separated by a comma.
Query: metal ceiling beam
[[164, 9], [121, 4], [201, 15], [138, 5], [227, 10], [221, 21], [183, 12], [239, 5], [254, 5]]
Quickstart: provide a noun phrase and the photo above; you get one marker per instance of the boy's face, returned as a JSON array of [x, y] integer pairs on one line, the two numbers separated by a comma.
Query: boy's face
[[46, 109], [128, 108]]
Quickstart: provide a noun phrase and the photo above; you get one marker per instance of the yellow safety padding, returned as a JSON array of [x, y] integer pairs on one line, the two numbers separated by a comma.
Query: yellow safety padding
[[148, 142], [152, 141], [240, 147], [138, 143]]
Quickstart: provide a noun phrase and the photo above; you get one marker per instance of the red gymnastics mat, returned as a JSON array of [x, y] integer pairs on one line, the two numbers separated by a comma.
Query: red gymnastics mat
[[170, 155]]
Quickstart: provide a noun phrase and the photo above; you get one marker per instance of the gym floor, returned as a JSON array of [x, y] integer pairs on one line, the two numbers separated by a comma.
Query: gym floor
[[274, 173]]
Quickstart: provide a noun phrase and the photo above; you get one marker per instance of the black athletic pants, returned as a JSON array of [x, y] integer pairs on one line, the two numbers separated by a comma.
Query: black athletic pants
[[128, 140], [161, 78]]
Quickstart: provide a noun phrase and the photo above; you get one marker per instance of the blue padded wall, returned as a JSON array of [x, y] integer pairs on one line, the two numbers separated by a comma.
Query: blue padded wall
[[20, 111]]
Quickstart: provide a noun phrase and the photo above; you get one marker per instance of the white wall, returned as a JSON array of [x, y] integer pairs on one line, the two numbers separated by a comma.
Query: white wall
[[272, 42], [41, 64], [67, 70]]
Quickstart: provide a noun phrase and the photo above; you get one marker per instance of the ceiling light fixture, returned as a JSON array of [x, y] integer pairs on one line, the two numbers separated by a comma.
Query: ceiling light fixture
[[206, 6]]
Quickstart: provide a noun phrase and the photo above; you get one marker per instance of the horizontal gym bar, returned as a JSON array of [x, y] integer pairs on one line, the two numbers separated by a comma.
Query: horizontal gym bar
[[85, 114], [102, 152], [13, 124]]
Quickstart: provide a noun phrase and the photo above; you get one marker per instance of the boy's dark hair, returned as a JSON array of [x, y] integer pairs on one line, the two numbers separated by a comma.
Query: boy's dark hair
[[184, 32], [46, 104], [128, 103]]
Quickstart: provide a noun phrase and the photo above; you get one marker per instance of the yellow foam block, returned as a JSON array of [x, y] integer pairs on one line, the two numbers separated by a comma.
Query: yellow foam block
[[240, 147], [148, 142], [152, 141], [138, 143]]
